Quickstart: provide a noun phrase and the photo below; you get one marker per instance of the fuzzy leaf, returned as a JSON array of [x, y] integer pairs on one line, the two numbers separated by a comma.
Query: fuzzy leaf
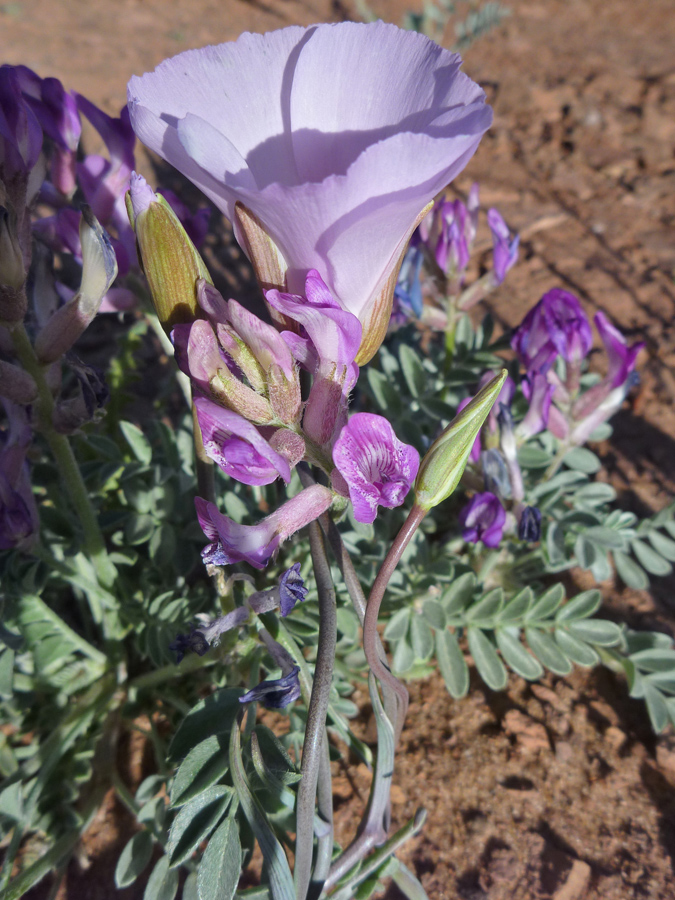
[[630, 572], [517, 657], [578, 651], [220, 866], [489, 665], [163, 883], [133, 859], [547, 651], [452, 664]]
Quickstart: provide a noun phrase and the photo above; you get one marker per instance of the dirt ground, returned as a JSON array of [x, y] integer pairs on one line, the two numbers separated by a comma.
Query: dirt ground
[[557, 790]]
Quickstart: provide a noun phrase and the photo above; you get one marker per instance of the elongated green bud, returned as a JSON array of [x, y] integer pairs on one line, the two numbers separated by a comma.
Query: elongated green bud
[[170, 260], [446, 459]]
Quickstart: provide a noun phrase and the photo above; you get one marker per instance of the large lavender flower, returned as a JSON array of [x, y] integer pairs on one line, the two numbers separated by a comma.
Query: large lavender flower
[[377, 468], [336, 137]]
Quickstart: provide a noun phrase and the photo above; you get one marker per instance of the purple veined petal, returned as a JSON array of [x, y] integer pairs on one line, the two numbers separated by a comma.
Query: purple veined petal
[[483, 519], [117, 133], [262, 339], [337, 185], [292, 589], [378, 468], [211, 301], [567, 324], [505, 252], [54, 107], [197, 352], [230, 542], [237, 446], [621, 358], [20, 131], [539, 391]]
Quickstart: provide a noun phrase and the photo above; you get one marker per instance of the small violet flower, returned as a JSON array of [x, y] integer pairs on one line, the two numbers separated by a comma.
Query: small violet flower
[[483, 519], [336, 150], [276, 693], [377, 468], [292, 589], [529, 525], [231, 542], [505, 249], [556, 326]]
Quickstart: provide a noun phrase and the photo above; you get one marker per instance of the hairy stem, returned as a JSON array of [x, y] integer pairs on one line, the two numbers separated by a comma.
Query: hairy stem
[[312, 752]]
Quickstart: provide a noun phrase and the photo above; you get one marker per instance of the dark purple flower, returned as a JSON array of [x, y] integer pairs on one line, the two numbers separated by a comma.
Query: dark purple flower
[[556, 326], [208, 634], [378, 468], [483, 520], [20, 131], [275, 694], [237, 446], [231, 542], [505, 249], [529, 525], [292, 589]]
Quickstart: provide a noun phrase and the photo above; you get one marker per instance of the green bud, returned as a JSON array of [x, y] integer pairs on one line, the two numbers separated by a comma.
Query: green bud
[[170, 260], [445, 461]]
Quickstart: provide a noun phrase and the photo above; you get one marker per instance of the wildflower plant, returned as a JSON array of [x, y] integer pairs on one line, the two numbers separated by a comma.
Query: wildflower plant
[[298, 480]]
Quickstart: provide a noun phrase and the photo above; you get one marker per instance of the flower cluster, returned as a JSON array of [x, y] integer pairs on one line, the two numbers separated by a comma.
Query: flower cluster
[[324, 192]]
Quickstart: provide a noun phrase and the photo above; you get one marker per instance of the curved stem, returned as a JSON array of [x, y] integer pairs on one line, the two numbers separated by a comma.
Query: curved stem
[[312, 752], [370, 635]]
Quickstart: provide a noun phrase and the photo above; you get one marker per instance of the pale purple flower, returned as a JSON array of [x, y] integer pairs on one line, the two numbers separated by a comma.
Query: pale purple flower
[[335, 136], [231, 542], [556, 326], [539, 392], [237, 446], [276, 693], [378, 468], [452, 248], [621, 357], [483, 519], [505, 248]]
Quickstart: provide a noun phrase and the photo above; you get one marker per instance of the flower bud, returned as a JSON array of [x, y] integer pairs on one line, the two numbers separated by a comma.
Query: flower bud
[[99, 270], [170, 260], [16, 384], [444, 462]]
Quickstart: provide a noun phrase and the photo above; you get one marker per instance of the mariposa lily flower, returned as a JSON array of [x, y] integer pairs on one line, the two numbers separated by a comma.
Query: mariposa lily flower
[[378, 469], [334, 138]]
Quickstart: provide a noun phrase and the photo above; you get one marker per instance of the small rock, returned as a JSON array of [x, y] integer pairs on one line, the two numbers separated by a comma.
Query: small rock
[[577, 882], [615, 737], [531, 736]]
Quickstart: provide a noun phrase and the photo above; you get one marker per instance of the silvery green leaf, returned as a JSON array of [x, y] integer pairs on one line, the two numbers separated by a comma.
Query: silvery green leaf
[[655, 660], [434, 614], [555, 542], [596, 631], [404, 658], [517, 657], [413, 371], [578, 651], [606, 537], [487, 608], [383, 390], [585, 552], [203, 766], [662, 545], [148, 788], [190, 888], [657, 707], [348, 624], [583, 460], [458, 595], [133, 859], [517, 607], [422, 638], [532, 457], [601, 568], [652, 561], [630, 572], [397, 627], [596, 494], [220, 866], [547, 651], [213, 715], [452, 664], [489, 665], [137, 442], [11, 801], [547, 604], [581, 607], [637, 641], [163, 882], [195, 821]]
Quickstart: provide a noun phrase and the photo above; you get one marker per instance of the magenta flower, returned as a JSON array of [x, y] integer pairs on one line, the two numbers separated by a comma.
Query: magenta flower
[[335, 136], [505, 248], [556, 326], [378, 468], [256, 544], [483, 519], [333, 338], [237, 446]]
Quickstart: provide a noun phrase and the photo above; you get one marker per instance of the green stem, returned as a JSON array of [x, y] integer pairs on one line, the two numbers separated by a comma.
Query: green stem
[[69, 471]]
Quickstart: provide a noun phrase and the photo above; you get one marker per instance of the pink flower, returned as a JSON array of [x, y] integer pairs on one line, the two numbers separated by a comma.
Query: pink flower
[[378, 468], [336, 137]]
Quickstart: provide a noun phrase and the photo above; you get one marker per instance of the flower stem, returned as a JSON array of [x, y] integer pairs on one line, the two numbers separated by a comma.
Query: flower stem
[[313, 747], [69, 471]]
